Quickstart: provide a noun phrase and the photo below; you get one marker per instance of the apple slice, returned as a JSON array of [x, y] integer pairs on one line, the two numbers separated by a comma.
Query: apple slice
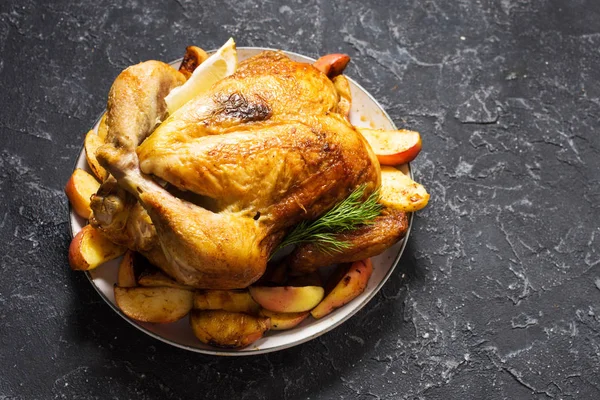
[[332, 65], [228, 329], [91, 144], [80, 187], [89, 249], [393, 147], [154, 304], [354, 280], [284, 321], [126, 275], [287, 298], [400, 192], [227, 300]]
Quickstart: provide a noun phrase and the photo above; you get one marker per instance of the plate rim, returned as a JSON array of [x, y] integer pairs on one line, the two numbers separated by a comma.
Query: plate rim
[[258, 351]]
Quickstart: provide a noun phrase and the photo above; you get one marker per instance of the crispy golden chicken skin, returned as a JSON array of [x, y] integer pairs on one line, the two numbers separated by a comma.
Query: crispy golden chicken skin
[[261, 151]]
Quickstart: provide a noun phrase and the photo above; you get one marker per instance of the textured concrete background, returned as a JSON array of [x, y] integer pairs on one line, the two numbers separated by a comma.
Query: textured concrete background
[[501, 297]]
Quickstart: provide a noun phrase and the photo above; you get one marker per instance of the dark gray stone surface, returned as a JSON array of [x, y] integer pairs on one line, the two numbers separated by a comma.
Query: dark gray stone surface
[[498, 293]]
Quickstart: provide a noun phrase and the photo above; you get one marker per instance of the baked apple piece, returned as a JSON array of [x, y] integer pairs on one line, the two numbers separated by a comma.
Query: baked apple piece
[[287, 299], [91, 144], [89, 249], [284, 321], [80, 187], [354, 280], [226, 329], [332, 65], [154, 304], [393, 147]]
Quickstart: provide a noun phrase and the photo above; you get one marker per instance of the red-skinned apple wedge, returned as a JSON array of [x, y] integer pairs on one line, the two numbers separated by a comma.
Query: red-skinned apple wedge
[[332, 65], [284, 321], [80, 187], [393, 147], [353, 282], [287, 298], [89, 249]]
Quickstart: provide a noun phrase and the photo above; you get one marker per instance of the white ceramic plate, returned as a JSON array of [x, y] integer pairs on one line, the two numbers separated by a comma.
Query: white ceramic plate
[[365, 112]]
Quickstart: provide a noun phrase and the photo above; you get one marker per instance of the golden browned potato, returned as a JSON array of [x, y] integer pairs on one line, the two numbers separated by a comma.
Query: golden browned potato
[[154, 304], [91, 144], [102, 128], [80, 187], [354, 280], [155, 278], [287, 298], [283, 321], [400, 192], [227, 300], [193, 57], [126, 276], [228, 329], [89, 249]]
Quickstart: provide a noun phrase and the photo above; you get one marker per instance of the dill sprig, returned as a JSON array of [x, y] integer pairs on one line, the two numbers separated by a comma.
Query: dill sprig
[[345, 216]]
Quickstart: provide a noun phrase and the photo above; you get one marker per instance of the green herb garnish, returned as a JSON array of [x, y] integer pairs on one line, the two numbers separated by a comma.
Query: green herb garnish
[[344, 216]]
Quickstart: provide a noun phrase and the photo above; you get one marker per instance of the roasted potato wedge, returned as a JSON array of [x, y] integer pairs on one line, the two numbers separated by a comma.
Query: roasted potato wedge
[[354, 280], [126, 275], [79, 189], [91, 144], [287, 298], [227, 300], [102, 128], [284, 321], [154, 304], [228, 329], [400, 192], [193, 57], [89, 249]]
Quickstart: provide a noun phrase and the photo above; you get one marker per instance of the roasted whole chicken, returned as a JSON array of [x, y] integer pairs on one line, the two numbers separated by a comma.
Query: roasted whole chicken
[[208, 193]]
